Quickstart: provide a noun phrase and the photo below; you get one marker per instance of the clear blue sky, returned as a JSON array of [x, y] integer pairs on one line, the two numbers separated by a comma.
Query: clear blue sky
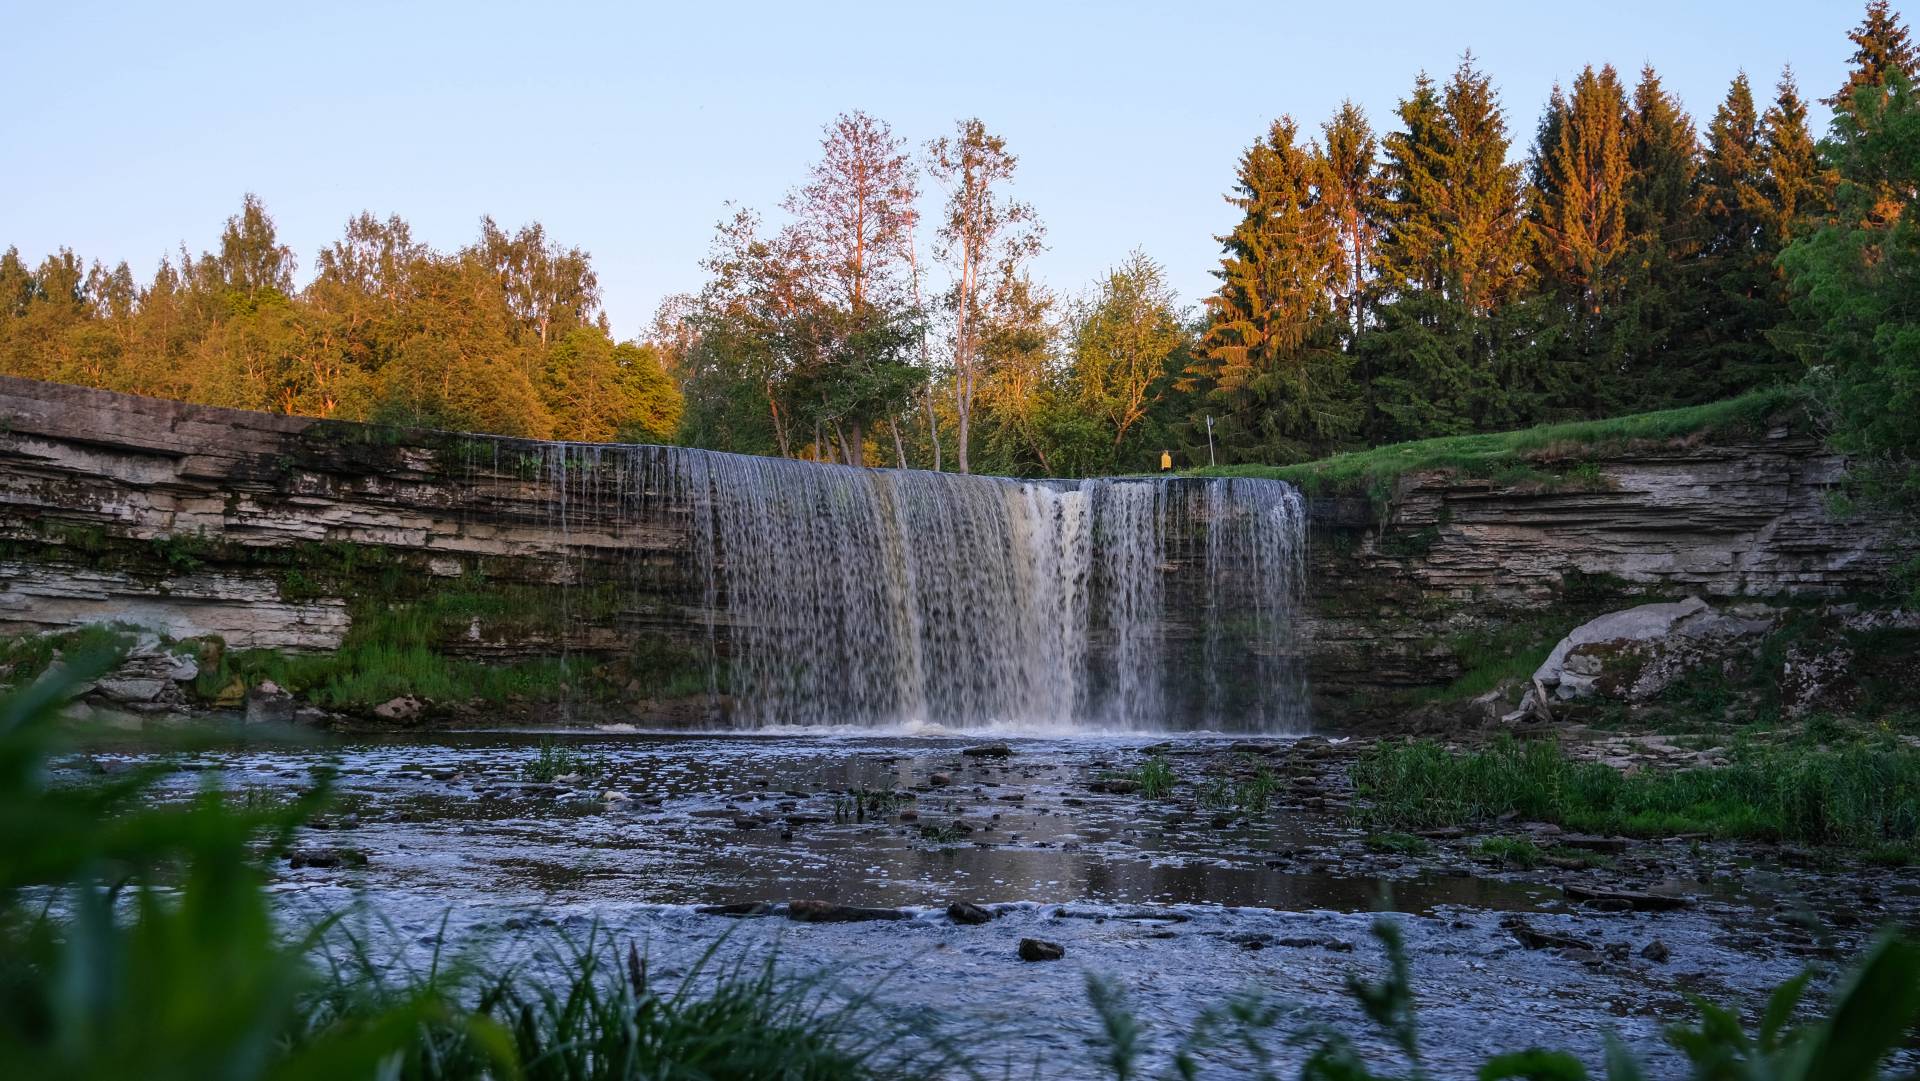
[[625, 127]]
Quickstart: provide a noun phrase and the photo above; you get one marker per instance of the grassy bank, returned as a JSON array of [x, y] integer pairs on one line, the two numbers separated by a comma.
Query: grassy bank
[[1865, 796], [1545, 454]]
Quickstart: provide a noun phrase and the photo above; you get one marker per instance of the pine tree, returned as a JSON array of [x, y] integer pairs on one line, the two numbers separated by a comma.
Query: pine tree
[[1582, 170], [1582, 176], [1271, 350], [1736, 264], [1452, 252], [1649, 322], [1408, 256], [1351, 192], [1798, 186], [1881, 47]]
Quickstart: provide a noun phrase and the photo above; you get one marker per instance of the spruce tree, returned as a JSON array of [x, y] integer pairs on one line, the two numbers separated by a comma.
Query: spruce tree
[[1736, 270], [1650, 323], [1881, 47], [1452, 251], [1798, 186], [1581, 177], [1271, 352], [1349, 155]]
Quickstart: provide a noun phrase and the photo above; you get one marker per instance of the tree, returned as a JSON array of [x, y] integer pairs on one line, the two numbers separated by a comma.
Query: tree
[[1582, 169], [1452, 254], [851, 223], [1798, 186], [1271, 350], [1352, 191], [982, 232], [1736, 266], [1856, 284], [1882, 49], [599, 391], [549, 289], [1122, 338]]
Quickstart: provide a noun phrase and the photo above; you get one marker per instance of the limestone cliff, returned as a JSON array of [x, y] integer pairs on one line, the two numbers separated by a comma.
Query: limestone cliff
[[285, 533]]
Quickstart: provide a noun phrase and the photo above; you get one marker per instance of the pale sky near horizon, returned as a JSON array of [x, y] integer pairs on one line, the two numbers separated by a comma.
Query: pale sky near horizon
[[626, 128]]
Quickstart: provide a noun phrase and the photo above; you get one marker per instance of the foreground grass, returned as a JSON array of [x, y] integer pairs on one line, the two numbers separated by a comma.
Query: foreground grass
[[1513, 456], [1864, 796]]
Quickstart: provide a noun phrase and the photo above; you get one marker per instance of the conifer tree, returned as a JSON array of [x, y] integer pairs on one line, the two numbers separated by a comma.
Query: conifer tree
[[1736, 264], [1271, 349], [1798, 186], [1453, 251], [1582, 172], [1881, 47], [1649, 323], [1349, 156]]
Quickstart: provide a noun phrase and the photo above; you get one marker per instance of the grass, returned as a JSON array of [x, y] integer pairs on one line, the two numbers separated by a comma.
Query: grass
[[860, 804], [1249, 794], [552, 761], [1155, 777], [1863, 796], [1510, 852], [1516, 457], [1399, 844]]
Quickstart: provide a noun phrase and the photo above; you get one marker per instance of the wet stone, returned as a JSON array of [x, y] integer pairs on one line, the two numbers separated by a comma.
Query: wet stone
[[1039, 949], [965, 912]]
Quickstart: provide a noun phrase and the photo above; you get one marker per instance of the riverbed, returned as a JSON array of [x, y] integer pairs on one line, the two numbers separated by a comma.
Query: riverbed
[[499, 842]]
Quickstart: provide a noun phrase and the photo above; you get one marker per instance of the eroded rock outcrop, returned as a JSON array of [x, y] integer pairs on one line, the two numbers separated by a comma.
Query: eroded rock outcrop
[[259, 531]]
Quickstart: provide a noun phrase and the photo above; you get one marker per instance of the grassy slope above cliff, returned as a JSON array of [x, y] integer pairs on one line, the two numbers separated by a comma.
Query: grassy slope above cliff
[[1519, 455]]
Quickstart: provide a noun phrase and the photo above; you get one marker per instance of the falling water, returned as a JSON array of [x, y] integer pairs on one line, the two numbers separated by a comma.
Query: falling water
[[869, 597]]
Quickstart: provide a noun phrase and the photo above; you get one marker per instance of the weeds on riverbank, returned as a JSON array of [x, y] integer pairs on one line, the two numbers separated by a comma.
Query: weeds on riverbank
[[1862, 796]]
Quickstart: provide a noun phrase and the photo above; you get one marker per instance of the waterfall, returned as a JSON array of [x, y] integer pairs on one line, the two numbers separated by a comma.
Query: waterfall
[[870, 597], [878, 597]]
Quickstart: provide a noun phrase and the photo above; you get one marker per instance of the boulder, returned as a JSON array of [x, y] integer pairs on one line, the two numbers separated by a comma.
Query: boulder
[[268, 703], [828, 912], [968, 913], [987, 750], [1634, 654], [1039, 949], [404, 708]]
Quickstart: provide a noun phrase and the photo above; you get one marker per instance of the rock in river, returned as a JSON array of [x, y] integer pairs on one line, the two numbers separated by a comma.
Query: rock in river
[[968, 913], [828, 912], [1039, 949]]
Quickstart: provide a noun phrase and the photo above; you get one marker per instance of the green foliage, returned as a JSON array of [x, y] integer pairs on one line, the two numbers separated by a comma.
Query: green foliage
[[1855, 796], [1399, 844], [1155, 777], [553, 760], [1486, 455], [1511, 851]]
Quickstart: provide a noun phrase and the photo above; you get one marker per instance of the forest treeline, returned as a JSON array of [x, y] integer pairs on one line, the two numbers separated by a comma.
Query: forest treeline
[[1440, 274]]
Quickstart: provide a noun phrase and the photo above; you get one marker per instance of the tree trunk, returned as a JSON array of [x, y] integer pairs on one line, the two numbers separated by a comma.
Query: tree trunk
[[899, 447], [854, 450]]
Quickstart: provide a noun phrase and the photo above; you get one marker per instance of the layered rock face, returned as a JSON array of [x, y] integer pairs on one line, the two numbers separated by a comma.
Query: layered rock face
[[1458, 566], [273, 532]]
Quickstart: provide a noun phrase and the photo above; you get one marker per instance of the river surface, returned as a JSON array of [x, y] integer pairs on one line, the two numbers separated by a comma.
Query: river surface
[[1183, 903]]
